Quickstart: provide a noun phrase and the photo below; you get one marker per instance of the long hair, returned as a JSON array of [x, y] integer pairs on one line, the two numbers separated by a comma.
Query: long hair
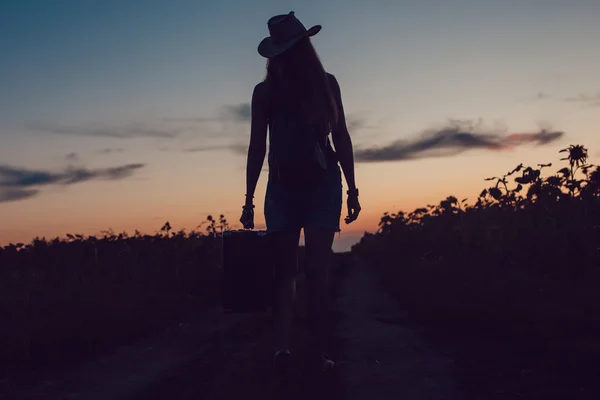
[[298, 78]]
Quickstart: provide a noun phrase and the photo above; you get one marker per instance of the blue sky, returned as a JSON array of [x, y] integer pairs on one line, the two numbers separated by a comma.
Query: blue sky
[[99, 85]]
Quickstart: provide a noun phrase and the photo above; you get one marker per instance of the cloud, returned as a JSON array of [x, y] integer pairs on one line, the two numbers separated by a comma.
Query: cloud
[[542, 96], [110, 151], [456, 138], [72, 157], [202, 149], [20, 183], [238, 148], [129, 131], [77, 175], [592, 100], [192, 120], [7, 195], [238, 112], [355, 122]]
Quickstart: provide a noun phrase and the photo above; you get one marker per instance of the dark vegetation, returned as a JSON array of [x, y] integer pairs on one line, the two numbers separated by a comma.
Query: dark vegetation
[[66, 299], [513, 279], [63, 297]]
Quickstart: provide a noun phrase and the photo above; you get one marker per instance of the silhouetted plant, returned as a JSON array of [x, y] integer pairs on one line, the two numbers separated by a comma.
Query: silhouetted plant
[[524, 260], [83, 290]]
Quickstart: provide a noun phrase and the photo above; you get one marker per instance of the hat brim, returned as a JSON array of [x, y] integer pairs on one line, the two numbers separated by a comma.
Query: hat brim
[[267, 49]]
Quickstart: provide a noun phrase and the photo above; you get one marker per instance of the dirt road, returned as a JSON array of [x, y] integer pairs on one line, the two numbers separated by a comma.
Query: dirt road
[[382, 357], [217, 356]]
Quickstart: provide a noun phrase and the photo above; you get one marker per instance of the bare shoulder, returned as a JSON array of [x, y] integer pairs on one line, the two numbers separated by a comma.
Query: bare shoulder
[[333, 83], [260, 86], [260, 95], [260, 90], [332, 80]]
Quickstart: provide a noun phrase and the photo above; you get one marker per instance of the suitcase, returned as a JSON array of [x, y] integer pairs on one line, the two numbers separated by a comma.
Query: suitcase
[[247, 271]]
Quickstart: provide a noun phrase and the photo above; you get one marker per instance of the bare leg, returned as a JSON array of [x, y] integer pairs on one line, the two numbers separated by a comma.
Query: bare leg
[[318, 244], [286, 265]]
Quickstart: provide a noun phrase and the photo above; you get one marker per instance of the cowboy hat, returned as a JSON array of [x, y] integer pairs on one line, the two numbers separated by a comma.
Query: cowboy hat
[[286, 30]]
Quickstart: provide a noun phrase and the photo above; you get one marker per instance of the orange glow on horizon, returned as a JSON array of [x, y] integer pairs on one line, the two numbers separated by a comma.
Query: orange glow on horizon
[[15, 233]]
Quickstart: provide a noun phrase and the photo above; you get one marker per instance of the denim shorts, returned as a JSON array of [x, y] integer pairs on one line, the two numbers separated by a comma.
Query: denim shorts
[[321, 207]]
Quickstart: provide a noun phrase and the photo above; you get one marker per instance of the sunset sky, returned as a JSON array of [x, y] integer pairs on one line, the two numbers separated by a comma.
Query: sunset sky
[[124, 114]]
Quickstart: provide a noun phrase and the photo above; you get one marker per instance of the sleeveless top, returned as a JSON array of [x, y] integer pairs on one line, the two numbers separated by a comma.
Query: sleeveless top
[[277, 137]]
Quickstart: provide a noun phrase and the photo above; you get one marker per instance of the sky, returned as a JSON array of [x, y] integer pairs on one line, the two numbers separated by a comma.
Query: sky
[[126, 114]]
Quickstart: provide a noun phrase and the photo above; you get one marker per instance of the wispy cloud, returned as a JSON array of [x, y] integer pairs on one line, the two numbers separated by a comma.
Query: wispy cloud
[[128, 131], [202, 149], [7, 195], [592, 100], [189, 120], [358, 121], [537, 97], [542, 96], [455, 138], [227, 113], [110, 151], [72, 157], [20, 183], [238, 112], [238, 148]]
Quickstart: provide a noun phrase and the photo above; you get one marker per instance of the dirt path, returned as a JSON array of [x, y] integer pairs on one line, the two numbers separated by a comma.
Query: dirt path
[[229, 357], [382, 358], [129, 369]]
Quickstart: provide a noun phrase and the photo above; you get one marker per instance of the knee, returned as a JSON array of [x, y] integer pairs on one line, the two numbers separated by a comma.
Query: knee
[[317, 258]]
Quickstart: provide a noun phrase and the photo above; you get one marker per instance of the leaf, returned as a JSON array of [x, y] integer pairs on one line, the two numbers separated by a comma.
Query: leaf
[[565, 171], [553, 180], [517, 169], [522, 180], [495, 193], [518, 188]]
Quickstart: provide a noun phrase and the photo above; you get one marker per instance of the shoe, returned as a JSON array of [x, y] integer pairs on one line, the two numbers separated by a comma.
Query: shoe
[[327, 363], [283, 364], [318, 364]]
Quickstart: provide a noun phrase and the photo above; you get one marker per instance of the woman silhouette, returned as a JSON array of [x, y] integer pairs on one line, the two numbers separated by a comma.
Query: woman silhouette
[[301, 104]]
